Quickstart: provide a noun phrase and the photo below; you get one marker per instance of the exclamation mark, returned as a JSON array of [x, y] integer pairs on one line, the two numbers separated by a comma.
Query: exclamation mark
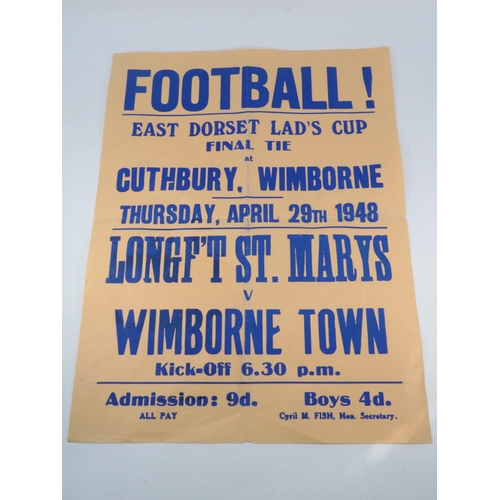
[[367, 77]]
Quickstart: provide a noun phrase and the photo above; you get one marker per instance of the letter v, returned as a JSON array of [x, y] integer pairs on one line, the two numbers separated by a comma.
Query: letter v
[[247, 296]]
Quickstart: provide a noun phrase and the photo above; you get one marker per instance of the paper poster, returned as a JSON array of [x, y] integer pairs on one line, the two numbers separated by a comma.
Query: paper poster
[[249, 273]]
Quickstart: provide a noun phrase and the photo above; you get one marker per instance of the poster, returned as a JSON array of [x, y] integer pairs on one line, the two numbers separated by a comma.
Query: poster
[[249, 274]]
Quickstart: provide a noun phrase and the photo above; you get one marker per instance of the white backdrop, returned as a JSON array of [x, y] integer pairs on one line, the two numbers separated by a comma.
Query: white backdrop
[[95, 29]]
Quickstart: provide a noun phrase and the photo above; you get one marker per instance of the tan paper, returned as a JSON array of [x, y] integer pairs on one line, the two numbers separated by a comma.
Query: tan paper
[[249, 274]]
